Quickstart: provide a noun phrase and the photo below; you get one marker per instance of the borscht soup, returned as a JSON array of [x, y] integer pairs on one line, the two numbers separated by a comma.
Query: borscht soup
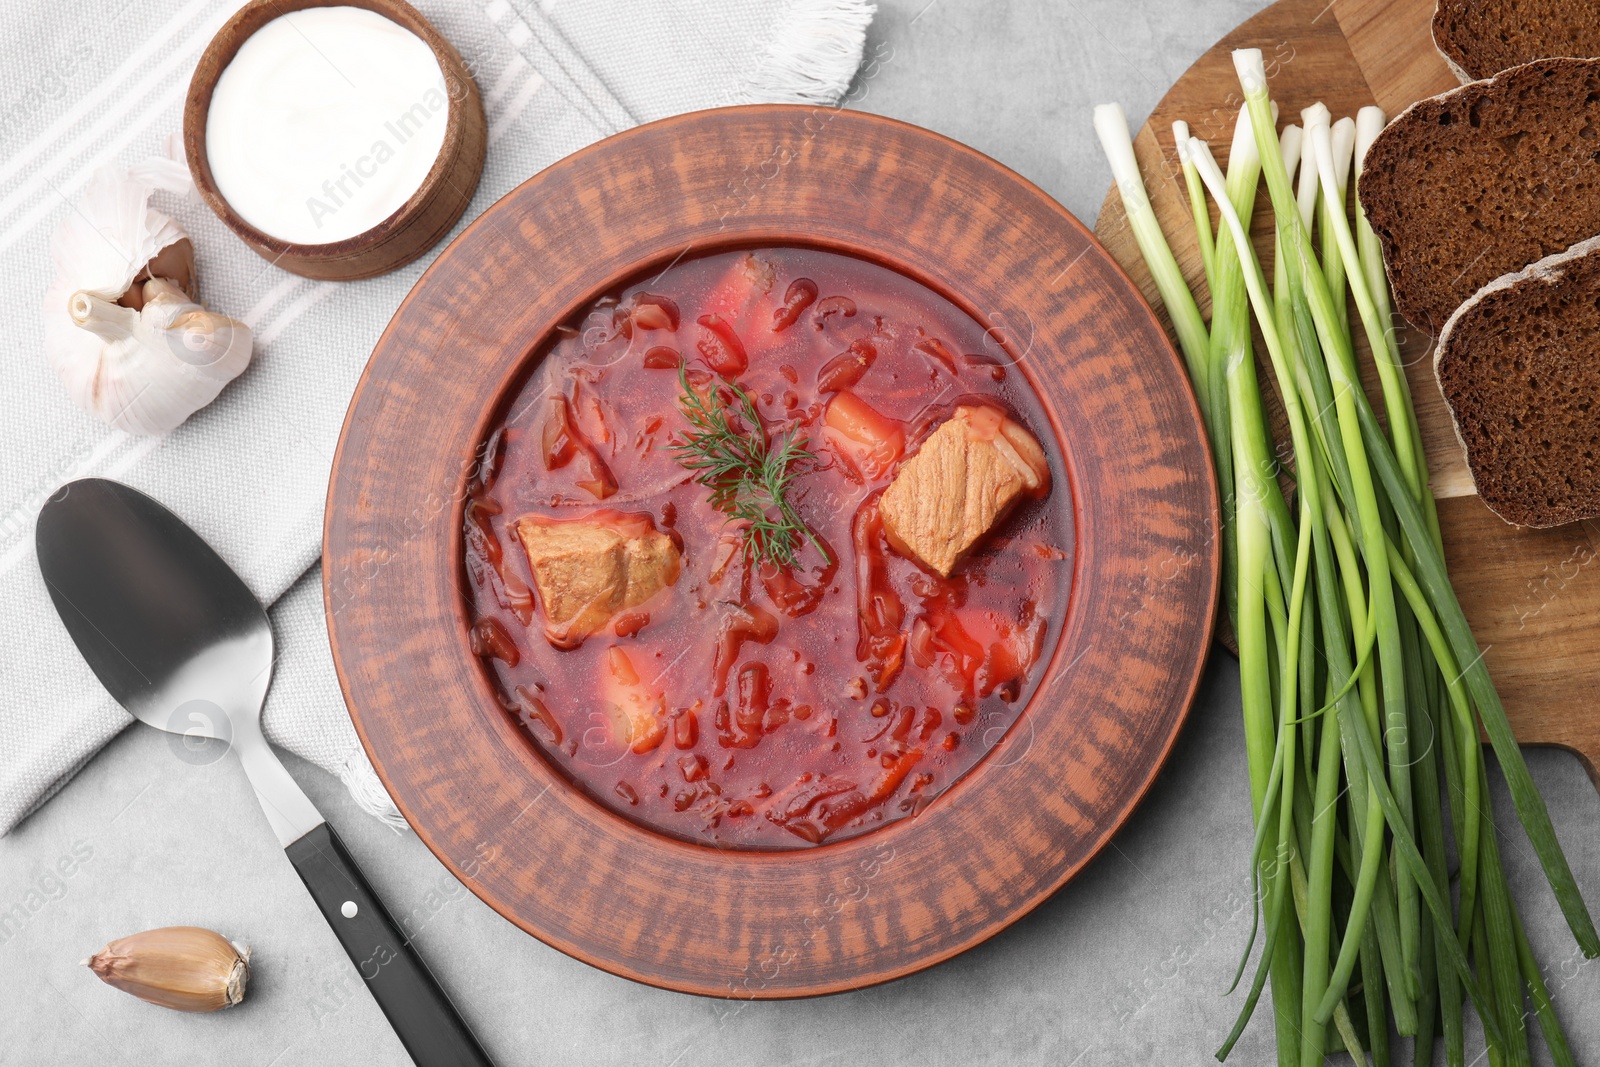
[[769, 548]]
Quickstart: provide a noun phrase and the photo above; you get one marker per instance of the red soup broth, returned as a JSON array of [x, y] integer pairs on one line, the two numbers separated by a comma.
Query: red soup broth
[[800, 706]]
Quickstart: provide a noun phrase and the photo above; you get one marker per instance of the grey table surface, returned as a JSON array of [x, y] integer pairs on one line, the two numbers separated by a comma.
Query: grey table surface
[[1127, 964]]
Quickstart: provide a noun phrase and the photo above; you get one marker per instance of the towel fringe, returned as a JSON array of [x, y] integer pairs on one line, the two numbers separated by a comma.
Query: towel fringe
[[812, 54], [358, 776]]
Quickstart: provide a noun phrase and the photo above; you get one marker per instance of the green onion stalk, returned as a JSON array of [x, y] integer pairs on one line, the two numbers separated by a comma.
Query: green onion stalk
[[1363, 692], [1318, 906]]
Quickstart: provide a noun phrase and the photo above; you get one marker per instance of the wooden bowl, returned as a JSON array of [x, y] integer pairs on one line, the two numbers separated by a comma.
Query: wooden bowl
[[1041, 804], [414, 227]]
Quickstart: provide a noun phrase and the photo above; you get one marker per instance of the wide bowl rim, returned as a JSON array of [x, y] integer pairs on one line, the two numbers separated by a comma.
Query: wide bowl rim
[[1186, 677]]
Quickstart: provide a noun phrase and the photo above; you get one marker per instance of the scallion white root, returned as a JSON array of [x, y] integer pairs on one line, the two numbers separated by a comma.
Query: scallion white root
[[1111, 124]]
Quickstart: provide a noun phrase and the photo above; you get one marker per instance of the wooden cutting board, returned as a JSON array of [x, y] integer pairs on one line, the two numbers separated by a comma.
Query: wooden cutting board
[[1532, 596]]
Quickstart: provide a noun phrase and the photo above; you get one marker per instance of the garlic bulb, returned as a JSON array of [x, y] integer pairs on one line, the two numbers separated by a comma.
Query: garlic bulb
[[154, 367], [121, 325], [186, 968]]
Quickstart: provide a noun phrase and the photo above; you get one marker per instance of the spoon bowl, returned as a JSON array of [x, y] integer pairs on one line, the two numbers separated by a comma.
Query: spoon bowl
[[185, 627], [168, 627]]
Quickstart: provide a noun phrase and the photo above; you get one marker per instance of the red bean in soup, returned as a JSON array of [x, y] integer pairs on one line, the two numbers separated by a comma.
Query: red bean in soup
[[686, 680]]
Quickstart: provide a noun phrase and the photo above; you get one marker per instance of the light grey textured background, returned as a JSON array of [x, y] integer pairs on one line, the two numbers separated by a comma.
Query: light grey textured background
[[1124, 966]]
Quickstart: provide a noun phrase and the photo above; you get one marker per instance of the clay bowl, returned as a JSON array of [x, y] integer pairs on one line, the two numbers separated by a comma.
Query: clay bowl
[[1030, 815], [418, 224]]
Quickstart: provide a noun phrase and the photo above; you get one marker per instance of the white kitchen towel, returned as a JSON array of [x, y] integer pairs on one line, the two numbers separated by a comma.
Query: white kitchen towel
[[103, 84]]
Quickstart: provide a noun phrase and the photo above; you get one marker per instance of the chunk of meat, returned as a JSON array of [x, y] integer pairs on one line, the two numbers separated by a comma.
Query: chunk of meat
[[590, 569], [960, 484]]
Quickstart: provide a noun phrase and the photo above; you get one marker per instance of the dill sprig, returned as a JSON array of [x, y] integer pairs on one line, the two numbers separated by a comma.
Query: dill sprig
[[747, 473]]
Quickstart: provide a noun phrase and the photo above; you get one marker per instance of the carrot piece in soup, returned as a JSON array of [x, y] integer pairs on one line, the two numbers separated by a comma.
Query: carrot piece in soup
[[867, 442], [638, 714]]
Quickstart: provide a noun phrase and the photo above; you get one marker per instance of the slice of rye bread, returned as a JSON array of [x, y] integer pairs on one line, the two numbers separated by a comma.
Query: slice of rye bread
[[1480, 181], [1480, 38], [1519, 366]]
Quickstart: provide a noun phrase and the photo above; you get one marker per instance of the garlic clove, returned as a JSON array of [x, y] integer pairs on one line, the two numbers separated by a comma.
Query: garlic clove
[[195, 337], [175, 263], [186, 968]]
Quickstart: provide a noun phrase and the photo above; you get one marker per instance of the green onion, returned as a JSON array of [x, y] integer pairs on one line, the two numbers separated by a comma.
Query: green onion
[[1362, 689], [1197, 202], [1112, 126]]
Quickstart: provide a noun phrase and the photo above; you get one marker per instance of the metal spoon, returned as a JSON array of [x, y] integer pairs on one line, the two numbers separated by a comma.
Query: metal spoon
[[182, 643]]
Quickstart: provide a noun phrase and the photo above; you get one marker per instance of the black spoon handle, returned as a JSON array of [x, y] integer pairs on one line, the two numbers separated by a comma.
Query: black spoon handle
[[427, 1023]]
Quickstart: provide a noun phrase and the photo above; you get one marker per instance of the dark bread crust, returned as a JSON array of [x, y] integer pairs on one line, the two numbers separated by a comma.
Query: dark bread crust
[[1480, 38], [1519, 367], [1471, 184]]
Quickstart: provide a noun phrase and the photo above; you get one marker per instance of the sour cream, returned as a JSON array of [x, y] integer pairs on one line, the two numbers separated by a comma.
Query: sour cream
[[325, 122]]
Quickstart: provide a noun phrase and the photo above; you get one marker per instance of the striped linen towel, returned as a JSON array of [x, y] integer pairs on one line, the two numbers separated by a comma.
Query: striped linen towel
[[249, 472]]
